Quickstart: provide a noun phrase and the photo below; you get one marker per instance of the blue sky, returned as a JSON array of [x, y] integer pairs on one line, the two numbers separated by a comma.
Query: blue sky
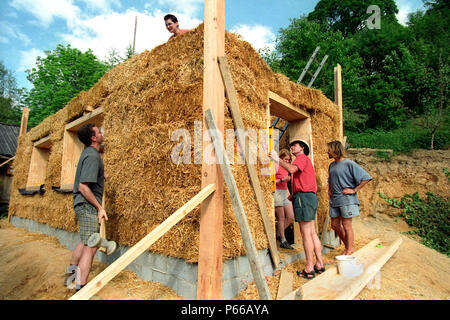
[[30, 27]]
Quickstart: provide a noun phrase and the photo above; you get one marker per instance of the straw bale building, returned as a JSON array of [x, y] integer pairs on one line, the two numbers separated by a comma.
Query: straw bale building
[[139, 105]]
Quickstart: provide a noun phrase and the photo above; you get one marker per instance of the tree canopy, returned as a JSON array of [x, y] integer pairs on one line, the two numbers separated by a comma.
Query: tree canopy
[[59, 77], [10, 97], [390, 74]]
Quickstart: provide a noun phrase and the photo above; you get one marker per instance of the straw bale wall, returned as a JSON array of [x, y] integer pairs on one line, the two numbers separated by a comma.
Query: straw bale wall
[[144, 100]]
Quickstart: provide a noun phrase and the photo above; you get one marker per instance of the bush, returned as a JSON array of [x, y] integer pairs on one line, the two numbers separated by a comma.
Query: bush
[[401, 140], [430, 216]]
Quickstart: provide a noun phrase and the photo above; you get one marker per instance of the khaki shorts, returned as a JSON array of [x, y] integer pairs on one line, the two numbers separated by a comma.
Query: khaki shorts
[[281, 198], [87, 220]]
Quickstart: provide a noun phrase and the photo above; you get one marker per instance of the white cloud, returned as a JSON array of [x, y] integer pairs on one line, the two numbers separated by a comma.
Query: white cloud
[[116, 30], [257, 35], [102, 5], [47, 10], [10, 30], [184, 7], [28, 58]]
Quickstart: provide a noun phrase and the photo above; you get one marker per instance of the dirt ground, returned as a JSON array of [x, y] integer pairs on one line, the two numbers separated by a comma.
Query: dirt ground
[[33, 267]]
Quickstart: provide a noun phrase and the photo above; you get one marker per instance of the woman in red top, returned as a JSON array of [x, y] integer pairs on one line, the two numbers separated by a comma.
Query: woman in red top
[[283, 207]]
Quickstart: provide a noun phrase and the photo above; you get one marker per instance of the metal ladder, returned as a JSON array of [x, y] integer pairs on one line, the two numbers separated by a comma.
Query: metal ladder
[[314, 76]]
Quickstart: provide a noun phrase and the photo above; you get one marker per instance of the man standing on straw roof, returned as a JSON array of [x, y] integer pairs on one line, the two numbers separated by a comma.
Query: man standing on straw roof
[[345, 179], [173, 27], [87, 198], [305, 203]]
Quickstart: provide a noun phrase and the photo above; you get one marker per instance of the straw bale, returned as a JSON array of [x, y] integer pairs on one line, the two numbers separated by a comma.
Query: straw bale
[[144, 100]]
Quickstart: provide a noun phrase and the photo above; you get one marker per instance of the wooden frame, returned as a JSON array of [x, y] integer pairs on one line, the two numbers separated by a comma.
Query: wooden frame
[[73, 147], [38, 164], [283, 109], [299, 126]]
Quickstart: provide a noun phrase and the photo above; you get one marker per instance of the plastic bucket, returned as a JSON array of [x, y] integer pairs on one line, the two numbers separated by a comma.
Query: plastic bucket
[[347, 266]]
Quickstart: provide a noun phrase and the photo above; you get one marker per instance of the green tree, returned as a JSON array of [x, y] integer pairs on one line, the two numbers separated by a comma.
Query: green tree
[[114, 57], [59, 77], [10, 97], [349, 16], [294, 47]]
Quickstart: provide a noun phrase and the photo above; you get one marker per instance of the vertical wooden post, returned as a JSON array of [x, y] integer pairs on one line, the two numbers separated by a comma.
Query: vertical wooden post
[[22, 131], [209, 284], [134, 38], [338, 98], [24, 121]]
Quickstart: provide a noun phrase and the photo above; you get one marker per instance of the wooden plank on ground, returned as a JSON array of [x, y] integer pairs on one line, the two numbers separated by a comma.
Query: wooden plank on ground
[[93, 286], [243, 142], [285, 286], [238, 208], [330, 285]]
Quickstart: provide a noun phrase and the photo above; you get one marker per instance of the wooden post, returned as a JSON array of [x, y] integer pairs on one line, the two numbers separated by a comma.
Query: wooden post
[[93, 286], [209, 284], [338, 98], [238, 208], [134, 38], [24, 121], [243, 142], [22, 131]]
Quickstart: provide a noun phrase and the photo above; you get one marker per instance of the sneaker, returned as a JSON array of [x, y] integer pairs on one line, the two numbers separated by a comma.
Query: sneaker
[[286, 245], [278, 238]]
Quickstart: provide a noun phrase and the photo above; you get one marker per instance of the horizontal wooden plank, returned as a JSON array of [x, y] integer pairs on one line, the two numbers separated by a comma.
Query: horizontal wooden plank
[[95, 116], [282, 108], [44, 143]]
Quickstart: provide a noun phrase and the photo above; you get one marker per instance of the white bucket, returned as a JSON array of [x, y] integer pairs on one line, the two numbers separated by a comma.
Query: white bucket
[[347, 266]]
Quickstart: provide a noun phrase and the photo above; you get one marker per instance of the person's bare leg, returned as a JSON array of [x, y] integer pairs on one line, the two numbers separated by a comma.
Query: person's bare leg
[[349, 236], [288, 214], [308, 244], [336, 225], [86, 263], [279, 211], [76, 255], [317, 248]]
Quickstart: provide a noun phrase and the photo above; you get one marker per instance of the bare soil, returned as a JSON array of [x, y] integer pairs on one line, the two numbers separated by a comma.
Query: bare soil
[[33, 267]]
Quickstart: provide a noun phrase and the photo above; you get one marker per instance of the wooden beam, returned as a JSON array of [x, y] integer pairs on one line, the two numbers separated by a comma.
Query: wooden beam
[[24, 121], [243, 142], [44, 143], [338, 98], [331, 285], [7, 161], [282, 108], [209, 285], [238, 208], [93, 286], [285, 285], [95, 117]]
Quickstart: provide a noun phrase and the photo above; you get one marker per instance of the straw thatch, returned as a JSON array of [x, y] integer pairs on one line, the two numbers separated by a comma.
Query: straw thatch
[[144, 100]]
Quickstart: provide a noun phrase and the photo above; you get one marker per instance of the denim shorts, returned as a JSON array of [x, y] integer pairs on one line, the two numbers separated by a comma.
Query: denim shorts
[[348, 211]]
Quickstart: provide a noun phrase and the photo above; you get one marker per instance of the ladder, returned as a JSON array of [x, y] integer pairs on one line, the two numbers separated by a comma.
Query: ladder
[[313, 78]]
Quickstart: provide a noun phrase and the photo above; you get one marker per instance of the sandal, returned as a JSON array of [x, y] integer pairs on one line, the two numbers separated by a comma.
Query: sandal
[[306, 275], [319, 271]]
